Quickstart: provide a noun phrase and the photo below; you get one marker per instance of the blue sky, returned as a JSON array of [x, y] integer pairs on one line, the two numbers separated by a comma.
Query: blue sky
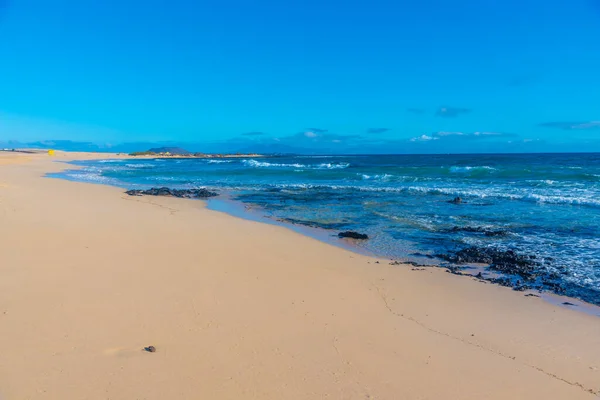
[[317, 75]]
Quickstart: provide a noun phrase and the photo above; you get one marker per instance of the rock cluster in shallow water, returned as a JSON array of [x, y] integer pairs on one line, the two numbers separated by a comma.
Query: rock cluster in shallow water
[[353, 235], [506, 261], [179, 193]]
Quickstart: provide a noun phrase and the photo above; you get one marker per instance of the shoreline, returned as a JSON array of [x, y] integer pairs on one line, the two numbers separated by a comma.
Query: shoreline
[[244, 310], [237, 211]]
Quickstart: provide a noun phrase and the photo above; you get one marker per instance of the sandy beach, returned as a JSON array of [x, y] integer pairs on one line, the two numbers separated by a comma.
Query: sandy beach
[[243, 310]]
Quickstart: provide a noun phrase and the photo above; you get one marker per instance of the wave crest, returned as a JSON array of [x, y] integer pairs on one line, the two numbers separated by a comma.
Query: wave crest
[[467, 169], [265, 164], [140, 166]]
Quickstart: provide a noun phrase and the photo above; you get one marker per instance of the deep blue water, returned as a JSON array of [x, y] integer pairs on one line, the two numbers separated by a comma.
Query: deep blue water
[[548, 204]]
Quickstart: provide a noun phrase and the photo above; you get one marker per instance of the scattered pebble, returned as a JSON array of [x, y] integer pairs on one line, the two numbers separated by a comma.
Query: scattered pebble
[[150, 349]]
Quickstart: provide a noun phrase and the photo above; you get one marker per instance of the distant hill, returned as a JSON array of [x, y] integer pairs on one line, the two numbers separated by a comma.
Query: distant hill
[[69, 145]]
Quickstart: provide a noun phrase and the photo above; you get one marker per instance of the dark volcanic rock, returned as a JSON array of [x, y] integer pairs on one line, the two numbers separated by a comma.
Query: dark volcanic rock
[[454, 270], [353, 235], [150, 349], [518, 271], [456, 200], [418, 267], [506, 261], [180, 193]]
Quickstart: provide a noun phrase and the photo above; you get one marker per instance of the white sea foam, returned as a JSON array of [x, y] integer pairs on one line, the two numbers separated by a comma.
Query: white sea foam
[[377, 177], [556, 199], [141, 166], [544, 181], [585, 198], [219, 161], [456, 169], [89, 176], [109, 161], [265, 164], [333, 166]]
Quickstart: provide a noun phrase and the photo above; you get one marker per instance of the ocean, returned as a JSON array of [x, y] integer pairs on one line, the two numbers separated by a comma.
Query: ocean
[[543, 206]]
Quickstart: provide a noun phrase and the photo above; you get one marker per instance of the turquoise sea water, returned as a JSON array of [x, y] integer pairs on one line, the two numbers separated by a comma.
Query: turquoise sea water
[[547, 205]]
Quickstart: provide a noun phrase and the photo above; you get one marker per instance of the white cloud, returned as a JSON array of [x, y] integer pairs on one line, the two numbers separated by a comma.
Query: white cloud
[[310, 134], [588, 125], [423, 138], [455, 135], [487, 133], [572, 125], [445, 133]]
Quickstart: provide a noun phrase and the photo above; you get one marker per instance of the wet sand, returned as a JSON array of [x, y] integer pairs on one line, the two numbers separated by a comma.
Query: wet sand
[[242, 310]]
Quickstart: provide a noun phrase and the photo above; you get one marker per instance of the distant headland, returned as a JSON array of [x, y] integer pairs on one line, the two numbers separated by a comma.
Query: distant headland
[[178, 152]]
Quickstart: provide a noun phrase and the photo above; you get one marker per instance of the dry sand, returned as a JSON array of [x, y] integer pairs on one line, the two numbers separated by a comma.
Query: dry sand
[[243, 310]]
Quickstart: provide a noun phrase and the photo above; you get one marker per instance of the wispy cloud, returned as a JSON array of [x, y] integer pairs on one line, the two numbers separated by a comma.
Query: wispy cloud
[[451, 112], [415, 110], [423, 138], [568, 126], [314, 138], [317, 130], [378, 130], [446, 133], [306, 142], [253, 134], [460, 136], [493, 134]]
